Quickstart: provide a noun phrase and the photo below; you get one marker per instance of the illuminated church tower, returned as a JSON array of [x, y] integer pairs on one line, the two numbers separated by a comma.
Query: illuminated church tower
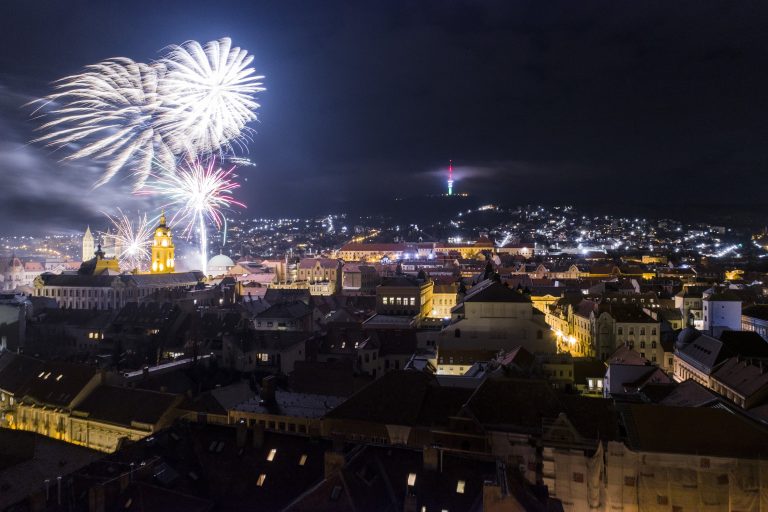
[[88, 244], [163, 257]]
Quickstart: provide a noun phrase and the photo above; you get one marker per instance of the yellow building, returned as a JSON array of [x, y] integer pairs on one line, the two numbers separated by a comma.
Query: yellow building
[[443, 300], [163, 252]]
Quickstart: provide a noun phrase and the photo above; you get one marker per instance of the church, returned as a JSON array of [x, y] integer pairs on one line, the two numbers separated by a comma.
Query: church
[[99, 283]]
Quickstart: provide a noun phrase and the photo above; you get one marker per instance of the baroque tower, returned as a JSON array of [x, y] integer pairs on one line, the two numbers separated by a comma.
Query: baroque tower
[[163, 254], [88, 244]]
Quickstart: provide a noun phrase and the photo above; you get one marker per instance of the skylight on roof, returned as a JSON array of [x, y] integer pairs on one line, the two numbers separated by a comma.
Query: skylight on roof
[[260, 481], [271, 454]]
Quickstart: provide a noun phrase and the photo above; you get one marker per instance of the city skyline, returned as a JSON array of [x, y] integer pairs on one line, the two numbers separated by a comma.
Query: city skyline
[[365, 104]]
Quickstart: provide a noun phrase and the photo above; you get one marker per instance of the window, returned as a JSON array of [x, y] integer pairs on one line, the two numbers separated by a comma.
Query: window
[[620, 331], [413, 301], [303, 459], [653, 331], [271, 454], [629, 481], [460, 486], [578, 478], [642, 344], [631, 331], [653, 344], [260, 481], [411, 479]]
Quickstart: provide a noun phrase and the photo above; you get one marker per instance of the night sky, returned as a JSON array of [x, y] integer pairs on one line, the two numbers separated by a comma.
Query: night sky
[[589, 103]]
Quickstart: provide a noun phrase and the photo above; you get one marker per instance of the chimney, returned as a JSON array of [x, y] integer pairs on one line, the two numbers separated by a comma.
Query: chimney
[[97, 499], [411, 503], [258, 436], [267, 392], [431, 458], [334, 461], [242, 433]]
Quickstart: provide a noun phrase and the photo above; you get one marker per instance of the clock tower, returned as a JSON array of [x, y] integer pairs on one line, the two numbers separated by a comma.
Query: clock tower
[[163, 253]]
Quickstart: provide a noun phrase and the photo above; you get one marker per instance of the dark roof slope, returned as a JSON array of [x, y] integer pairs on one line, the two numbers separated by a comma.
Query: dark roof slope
[[16, 371], [745, 343], [493, 291], [121, 406], [693, 430], [521, 405], [58, 383], [403, 397]]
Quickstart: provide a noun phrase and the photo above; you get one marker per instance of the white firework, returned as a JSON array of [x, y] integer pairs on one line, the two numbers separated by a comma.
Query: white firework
[[209, 90], [132, 241], [110, 113], [197, 191]]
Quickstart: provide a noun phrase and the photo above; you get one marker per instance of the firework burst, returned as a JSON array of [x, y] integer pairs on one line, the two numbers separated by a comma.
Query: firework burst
[[210, 90], [199, 192], [196, 100], [110, 112], [132, 240]]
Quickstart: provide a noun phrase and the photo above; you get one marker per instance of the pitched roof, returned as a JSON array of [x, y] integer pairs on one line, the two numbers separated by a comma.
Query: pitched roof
[[122, 406], [745, 343], [759, 311], [16, 371], [742, 376], [58, 383], [139, 280], [522, 405], [705, 352], [493, 291], [328, 263], [402, 397], [693, 430]]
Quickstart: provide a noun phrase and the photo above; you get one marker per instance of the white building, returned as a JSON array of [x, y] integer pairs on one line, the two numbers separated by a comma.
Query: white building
[[721, 310]]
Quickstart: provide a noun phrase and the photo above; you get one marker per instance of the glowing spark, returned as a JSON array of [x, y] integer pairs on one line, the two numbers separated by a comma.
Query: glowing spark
[[132, 240], [211, 89], [198, 192], [110, 113]]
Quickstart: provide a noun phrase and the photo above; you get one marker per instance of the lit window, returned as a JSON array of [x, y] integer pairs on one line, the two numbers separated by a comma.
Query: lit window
[[411, 479], [59, 377], [460, 486], [260, 481], [271, 455], [303, 460]]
